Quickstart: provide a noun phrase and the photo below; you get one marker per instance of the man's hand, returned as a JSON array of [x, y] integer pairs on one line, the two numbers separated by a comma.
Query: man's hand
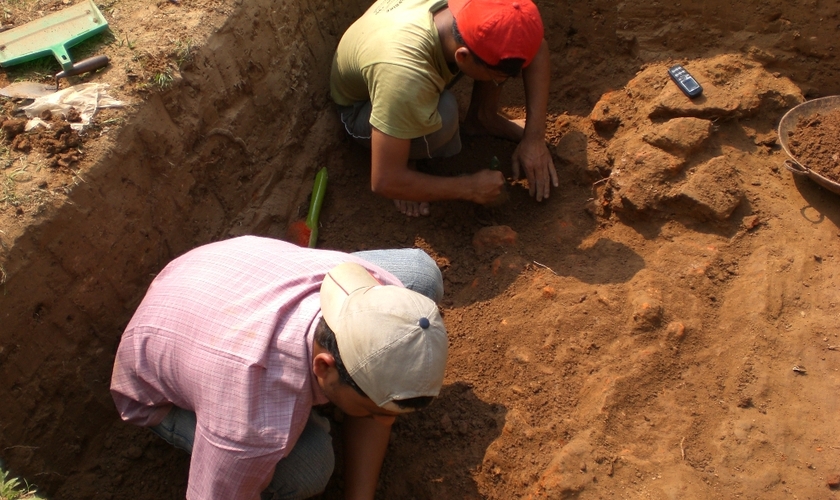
[[486, 186], [391, 177], [532, 156]]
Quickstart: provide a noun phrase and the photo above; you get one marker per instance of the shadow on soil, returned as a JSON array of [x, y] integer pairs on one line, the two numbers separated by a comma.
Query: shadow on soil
[[433, 453], [822, 203]]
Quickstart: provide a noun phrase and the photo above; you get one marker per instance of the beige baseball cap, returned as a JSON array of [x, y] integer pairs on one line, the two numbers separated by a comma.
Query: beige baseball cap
[[391, 339]]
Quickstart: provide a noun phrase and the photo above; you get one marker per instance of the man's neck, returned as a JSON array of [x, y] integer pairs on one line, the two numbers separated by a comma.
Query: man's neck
[[443, 23]]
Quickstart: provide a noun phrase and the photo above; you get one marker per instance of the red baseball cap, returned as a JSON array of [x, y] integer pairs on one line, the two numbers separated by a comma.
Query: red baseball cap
[[499, 29]]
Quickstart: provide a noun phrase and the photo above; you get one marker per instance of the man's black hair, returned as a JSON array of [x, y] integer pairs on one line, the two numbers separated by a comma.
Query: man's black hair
[[511, 66], [325, 338]]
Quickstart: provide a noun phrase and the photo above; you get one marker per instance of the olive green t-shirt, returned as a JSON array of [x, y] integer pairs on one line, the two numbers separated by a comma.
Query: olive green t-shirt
[[392, 57]]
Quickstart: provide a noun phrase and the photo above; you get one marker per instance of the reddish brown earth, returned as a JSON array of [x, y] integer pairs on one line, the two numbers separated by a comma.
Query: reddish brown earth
[[815, 143], [633, 336]]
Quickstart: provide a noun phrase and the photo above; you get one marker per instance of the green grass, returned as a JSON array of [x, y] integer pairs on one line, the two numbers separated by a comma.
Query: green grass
[[12, 489], [6, 159], [164, 79], [92, 46], [183, 52], [8, 193], [36, 70], [125, 42]]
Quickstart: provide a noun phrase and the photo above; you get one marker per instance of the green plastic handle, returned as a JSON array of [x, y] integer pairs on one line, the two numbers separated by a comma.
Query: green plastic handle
[[318, 192]]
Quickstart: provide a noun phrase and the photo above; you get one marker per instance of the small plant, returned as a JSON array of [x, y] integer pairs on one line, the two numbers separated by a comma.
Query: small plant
[[12, 489], [8, 194], [37, 70], [112, 121], [183, 52], [164, 79], [122, 40], [91, 46]]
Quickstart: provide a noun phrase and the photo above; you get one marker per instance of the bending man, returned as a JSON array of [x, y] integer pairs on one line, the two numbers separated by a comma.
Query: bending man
[[389, 78], [235, 342]]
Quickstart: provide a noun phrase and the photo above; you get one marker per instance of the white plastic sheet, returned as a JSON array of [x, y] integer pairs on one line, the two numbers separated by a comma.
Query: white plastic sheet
[[87, 98]]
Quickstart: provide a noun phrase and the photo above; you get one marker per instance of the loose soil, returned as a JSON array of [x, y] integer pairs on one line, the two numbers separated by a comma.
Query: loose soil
[[815, 143], [663, 326]]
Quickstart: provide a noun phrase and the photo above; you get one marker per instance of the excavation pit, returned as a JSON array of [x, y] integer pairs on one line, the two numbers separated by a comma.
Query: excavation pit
[[606, 344]]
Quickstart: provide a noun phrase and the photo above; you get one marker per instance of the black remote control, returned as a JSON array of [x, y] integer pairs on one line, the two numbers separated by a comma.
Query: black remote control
[[685, 81]]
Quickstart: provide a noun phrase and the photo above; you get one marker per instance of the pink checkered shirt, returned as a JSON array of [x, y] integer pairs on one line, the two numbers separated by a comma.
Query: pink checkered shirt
[[226, 330]]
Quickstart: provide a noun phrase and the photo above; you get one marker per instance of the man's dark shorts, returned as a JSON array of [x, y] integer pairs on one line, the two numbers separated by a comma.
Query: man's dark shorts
[[439, 144]]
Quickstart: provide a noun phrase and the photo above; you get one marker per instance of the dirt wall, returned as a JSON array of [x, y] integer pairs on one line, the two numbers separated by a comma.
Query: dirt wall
[[229, 149]]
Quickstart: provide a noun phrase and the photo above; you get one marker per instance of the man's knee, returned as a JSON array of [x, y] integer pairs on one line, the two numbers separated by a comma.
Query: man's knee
[[306, 471], [429, 278], [319, 484], [412, 266], [422, 260], [308, 483], [177, 428]]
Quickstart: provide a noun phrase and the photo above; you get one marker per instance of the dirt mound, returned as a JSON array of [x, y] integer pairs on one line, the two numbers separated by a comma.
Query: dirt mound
[[632, 336], [660, 154]]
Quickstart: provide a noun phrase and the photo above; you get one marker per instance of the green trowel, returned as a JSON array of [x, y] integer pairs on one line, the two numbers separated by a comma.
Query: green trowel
[[53, 34]]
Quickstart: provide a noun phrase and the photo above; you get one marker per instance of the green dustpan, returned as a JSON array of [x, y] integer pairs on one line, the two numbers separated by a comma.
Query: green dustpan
[[52, 34]]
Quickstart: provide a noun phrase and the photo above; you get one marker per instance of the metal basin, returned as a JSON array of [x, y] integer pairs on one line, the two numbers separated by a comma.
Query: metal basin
[[789, 122]]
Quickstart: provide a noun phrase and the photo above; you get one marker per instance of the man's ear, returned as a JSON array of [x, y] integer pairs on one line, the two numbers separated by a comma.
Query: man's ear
[[462, 53], [322, 363]]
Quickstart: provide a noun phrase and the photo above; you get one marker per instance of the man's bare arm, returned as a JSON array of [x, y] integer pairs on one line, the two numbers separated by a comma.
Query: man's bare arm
[[365, 441], [532, 155], [391, 177]]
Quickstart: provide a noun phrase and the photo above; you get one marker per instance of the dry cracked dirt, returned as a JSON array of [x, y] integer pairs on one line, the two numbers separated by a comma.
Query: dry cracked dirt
[[663, 326]]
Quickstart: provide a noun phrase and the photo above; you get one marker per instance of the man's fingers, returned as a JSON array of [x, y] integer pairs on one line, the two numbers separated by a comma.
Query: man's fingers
[[515, 161], [555, 180], [545, 186], [548, 177], [543, 182], [552, 177], [539, 170], [532, 183]]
